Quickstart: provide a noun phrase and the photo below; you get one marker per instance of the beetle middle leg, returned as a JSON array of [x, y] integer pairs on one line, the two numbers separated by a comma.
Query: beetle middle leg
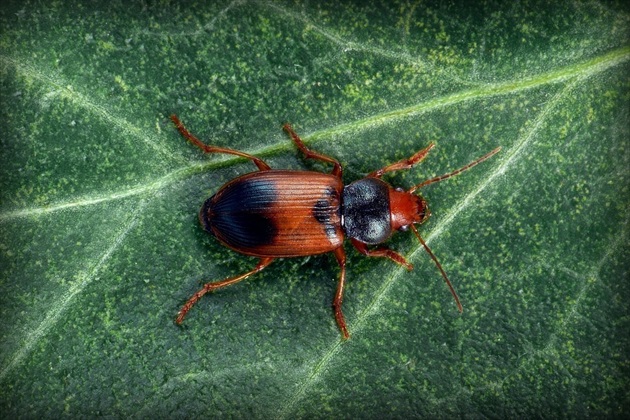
[[337, 170], [382, 251], [262, 165], [208, 287], [341, 259]]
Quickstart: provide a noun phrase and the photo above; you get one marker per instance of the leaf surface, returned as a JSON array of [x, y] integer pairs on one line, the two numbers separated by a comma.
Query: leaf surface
[[99, 194]]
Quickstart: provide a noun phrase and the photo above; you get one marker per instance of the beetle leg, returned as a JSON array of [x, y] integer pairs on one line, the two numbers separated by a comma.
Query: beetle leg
[[311, 154], [341, 259], [457, 171], [402, 164], [382, 251], [213, 149], [208, 287]]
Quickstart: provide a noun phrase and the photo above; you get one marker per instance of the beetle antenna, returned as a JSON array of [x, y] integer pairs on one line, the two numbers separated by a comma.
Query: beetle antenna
[[437, 263], [456, 172]]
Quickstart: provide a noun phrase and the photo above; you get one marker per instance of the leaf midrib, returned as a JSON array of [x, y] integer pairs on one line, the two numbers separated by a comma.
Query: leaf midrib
[[581, 70]]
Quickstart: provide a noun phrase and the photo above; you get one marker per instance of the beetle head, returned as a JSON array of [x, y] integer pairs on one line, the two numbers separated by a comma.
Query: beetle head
[[407, 208]]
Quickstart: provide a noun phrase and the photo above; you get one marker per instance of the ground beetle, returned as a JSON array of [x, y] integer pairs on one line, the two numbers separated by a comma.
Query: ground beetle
[[280, 213]]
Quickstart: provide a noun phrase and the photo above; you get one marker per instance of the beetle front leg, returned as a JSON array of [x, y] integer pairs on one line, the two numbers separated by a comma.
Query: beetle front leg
[[341, 259], [262, 165], [403, 163], [208, 287], [311, 154], [382, 251]]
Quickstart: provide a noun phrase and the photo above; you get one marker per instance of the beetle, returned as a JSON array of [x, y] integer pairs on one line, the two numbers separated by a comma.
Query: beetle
[[273, 214]]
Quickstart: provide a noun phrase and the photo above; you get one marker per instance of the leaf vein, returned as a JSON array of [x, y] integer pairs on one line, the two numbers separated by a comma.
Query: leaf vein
[[62, 89], [62, 304]]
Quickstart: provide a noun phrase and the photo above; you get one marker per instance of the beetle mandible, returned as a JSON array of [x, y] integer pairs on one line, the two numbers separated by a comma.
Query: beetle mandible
[[283, 213]]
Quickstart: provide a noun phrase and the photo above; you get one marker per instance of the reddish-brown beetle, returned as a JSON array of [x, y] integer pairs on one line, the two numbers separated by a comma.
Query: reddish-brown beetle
[[279, 213]]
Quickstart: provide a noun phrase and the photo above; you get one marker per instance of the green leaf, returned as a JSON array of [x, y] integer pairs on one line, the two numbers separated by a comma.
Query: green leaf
[[100, 244]]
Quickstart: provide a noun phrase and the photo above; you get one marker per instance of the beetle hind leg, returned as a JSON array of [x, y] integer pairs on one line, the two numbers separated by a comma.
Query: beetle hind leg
[[382, 251], [208, 287], [261, 164]]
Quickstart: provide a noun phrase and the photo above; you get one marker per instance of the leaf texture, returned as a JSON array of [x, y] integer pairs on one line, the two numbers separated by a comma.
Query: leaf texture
[[99, 194]]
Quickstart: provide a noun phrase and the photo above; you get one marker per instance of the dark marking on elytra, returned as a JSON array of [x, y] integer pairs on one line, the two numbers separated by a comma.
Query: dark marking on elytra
[[241, 214], [325, 208]]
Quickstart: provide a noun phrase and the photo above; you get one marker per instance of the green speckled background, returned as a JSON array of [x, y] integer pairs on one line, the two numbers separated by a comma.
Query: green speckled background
[[100, 244]]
